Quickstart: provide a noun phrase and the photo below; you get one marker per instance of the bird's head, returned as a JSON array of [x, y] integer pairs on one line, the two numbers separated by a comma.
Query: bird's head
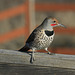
[[51, 22]]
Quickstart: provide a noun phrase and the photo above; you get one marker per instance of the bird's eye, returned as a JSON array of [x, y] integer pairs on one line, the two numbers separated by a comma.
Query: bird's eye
[[54, 21]]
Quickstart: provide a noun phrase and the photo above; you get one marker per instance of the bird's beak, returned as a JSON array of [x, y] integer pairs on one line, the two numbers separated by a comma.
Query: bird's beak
[[61, 25]]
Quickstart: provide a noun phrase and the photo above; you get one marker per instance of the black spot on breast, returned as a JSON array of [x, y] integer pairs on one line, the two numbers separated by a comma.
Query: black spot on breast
[[49, 33]]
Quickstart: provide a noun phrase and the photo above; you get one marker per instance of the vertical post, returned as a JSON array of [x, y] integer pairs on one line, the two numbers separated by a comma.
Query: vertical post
[[32, 14], [27, 18]]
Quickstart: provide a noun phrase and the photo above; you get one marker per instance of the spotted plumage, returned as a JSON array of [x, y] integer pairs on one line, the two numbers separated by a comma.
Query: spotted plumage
[[40, 41], [41, 37]]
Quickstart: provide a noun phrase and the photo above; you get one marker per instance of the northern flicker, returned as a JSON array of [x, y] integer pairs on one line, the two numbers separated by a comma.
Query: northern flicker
[[41, 37]]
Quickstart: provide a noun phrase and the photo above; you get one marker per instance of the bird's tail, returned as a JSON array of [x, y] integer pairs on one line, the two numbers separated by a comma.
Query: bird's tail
[[24, 49]]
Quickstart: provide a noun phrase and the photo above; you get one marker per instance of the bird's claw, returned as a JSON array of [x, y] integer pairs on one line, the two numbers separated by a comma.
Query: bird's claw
[[32, 59]]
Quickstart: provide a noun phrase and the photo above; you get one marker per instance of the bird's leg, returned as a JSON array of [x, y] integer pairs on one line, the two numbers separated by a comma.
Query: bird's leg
[[32, 56], [48, 51]]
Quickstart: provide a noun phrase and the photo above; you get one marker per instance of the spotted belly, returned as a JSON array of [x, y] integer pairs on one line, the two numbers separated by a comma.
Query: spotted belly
[[43, 41]]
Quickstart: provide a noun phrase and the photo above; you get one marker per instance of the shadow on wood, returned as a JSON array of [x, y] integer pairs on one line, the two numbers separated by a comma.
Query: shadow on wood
[[23, 69]]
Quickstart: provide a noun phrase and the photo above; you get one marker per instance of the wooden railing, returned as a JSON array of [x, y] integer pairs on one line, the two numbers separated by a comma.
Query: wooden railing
[[43, 60], [13, 12], [54, 7], [24, 8]]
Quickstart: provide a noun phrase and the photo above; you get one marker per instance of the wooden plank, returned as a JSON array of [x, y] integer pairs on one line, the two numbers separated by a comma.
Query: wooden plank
[[13, 11], [14, 34], [38, 7], [54, 7], [60, 50], [24, 69], [42, 59], [68, 30]]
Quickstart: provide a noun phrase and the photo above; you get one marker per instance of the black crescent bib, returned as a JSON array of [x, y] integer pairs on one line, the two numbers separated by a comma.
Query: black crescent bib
[[49, 33]]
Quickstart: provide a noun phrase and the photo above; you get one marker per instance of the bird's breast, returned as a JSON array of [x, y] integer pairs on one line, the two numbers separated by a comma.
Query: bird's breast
[[43, 39]]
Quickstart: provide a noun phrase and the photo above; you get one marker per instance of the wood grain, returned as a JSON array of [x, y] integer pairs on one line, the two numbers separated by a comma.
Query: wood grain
[[42, 59]]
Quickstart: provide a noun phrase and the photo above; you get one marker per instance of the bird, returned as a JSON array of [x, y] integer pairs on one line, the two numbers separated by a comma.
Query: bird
[[41, 37]]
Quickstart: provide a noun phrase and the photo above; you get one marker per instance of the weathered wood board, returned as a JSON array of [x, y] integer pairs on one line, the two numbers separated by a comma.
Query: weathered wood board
[[23, 69], [41, 59]]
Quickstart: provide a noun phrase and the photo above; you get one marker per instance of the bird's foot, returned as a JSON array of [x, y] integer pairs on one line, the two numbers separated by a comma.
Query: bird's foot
[[31, 60]]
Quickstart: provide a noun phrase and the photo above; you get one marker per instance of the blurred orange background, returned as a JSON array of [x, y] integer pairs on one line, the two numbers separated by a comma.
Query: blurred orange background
[[19, 17]]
